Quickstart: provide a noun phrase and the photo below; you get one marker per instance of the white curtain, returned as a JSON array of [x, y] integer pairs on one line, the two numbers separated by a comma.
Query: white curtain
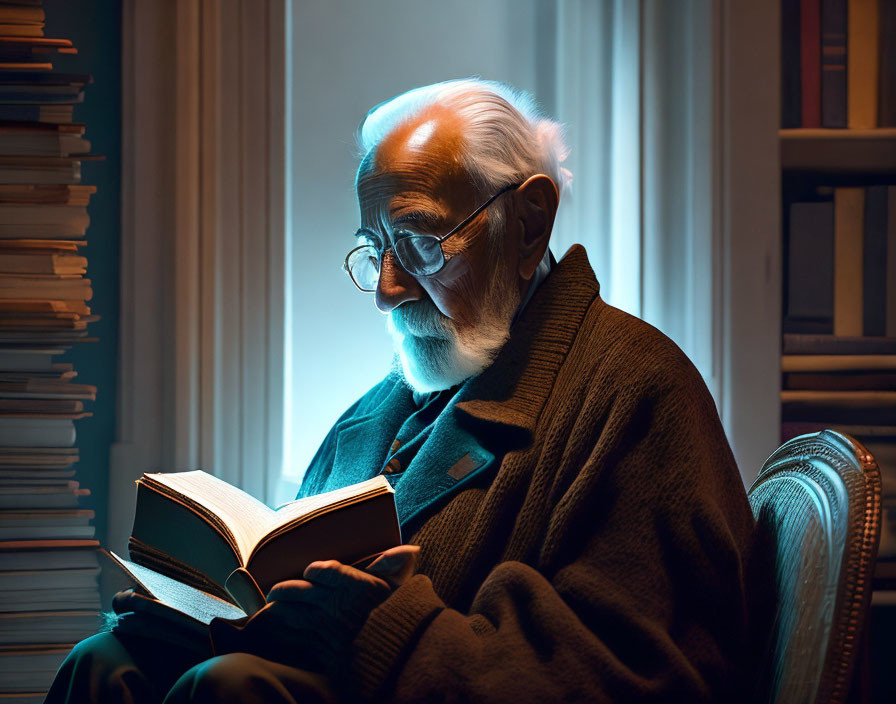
[[632, 83], [202, 263]]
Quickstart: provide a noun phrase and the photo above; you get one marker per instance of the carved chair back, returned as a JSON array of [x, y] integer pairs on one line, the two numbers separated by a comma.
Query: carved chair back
[[817, 502]]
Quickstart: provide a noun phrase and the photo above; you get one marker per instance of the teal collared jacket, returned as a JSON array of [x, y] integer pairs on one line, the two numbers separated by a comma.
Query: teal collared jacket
[[456, 451]]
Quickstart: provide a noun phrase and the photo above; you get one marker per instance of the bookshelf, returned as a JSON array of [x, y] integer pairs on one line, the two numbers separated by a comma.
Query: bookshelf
[[838, 181], [838, 151]]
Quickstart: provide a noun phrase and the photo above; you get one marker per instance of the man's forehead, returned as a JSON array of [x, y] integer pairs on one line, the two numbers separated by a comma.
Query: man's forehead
[[421, 152]]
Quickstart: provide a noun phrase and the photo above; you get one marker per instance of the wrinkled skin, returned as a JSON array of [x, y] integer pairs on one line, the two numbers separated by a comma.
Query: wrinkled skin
[[415, 178]]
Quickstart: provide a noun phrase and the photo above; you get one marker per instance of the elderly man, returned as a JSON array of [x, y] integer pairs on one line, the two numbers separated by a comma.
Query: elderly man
[[582, 528]]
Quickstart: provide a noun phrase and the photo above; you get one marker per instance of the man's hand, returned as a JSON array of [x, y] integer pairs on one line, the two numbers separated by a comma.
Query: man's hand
[[145, 617], [312, 622]]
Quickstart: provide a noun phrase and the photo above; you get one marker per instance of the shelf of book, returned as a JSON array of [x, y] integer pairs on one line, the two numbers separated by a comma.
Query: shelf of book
[[49, 593], [839, 150], [838, 161]]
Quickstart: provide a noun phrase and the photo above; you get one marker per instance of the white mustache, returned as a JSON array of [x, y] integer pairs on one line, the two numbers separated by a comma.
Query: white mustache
[[420, 319]]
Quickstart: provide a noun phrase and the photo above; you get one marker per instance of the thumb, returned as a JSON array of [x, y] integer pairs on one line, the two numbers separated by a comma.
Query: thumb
[[396, 565]]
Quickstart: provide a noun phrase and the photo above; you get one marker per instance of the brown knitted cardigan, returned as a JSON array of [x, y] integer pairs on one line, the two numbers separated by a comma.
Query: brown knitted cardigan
[[603, 557]]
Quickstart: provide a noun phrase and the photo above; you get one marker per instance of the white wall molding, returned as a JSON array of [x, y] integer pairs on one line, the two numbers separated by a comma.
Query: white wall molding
[[747, 220], [673, 125], [202, 272]]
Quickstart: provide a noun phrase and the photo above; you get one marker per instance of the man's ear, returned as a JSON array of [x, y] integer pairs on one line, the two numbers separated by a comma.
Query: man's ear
[[535, 208]]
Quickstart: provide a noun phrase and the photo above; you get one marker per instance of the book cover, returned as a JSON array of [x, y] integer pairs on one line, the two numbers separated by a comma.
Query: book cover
[[833, 344], [791, 110], [849, 212], [840, 381], [837, 362], [810, 62], [239, 547], [833, 63], [810, 268], [858, 407], [862, 67], [886, 109], [891, 262], [874, 265]]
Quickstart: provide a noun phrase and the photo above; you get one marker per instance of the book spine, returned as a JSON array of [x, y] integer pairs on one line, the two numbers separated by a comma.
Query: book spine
[[849, 205], [886, 109], [840, 381], [810, 62], [891, 262], [874, 266], [810, 268], [833, 63], [832, 344], [862, 68], [791, 110]]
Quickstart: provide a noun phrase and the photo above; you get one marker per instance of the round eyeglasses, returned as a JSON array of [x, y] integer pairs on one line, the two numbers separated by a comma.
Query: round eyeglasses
[[419, 255]]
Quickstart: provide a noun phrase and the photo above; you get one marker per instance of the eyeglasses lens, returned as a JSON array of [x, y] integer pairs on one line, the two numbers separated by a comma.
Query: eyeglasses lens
[[419, 254], [364, 267]]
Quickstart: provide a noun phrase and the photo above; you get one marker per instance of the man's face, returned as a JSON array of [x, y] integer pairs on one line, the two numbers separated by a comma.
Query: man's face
[[449, 326]]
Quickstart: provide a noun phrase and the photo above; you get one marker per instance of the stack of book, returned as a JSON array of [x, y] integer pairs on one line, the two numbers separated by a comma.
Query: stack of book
[[839, 350], [837, 69], [49, 596]]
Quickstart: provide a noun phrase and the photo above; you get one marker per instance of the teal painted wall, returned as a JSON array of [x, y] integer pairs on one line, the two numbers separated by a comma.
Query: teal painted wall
[[95, 28]]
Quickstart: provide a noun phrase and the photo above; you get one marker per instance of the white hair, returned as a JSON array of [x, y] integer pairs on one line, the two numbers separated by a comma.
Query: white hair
[[507, 139]]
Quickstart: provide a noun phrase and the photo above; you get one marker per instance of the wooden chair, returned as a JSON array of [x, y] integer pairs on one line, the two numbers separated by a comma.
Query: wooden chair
[[817, 501]]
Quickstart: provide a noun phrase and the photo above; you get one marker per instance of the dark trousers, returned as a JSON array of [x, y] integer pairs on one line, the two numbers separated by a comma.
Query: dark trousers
[[112, 667]]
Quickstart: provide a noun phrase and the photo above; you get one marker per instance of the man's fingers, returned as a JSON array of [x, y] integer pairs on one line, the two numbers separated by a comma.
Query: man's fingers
[[396, 565], [123, 602], [291, 590], [344, 578]]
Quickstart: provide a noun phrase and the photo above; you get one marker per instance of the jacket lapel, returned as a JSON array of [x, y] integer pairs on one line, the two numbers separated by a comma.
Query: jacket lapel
[[362, 441], [450, 458]]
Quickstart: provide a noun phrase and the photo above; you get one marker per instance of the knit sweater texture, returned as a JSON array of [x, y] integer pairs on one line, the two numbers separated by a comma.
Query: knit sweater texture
[[602, 557]]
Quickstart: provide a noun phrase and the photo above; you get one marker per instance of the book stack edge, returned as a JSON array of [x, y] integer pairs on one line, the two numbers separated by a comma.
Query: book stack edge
[[49, 571]]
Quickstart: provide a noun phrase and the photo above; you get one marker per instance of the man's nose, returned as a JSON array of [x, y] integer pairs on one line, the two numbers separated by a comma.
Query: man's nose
[[395, 286]]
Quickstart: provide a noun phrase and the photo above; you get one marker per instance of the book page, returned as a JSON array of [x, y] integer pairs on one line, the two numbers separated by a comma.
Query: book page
[[310, 505], [245, 516], [187, 600]]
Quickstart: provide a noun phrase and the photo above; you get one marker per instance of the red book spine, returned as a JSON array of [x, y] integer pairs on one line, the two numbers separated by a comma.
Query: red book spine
[[810, 61]]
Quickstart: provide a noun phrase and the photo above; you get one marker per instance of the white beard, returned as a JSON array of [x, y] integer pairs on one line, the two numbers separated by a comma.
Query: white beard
[[432, 354]]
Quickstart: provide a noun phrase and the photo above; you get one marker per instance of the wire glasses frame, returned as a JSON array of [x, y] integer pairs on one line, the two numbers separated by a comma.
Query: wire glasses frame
[[419, 255]]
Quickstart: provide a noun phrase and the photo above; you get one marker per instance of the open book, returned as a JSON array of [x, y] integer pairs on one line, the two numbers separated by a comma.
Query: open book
[[193, 531]]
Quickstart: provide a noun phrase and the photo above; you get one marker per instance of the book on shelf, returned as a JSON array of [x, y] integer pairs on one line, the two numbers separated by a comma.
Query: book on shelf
[[849, 205], [841, 263], [838, 67], [838, 362], [800, 344], [833, 63], [810, 63], [810, 267], [240, 548], [887, 80], [866, 407], [874, 263], [840, 381], [863, 41]]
